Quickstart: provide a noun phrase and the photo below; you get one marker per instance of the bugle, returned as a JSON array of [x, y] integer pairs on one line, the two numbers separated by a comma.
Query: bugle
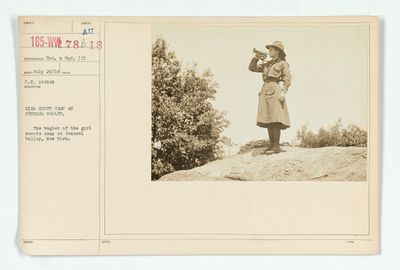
[[259, 54]]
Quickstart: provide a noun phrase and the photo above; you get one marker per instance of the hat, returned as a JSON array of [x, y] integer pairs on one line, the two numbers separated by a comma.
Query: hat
[[278, 45]]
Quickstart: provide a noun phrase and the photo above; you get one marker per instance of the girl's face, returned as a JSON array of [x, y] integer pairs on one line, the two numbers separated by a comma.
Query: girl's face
[[273, 52]]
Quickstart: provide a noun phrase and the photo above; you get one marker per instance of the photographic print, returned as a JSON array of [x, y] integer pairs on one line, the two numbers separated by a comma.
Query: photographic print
[[199, 135], [260, 102]]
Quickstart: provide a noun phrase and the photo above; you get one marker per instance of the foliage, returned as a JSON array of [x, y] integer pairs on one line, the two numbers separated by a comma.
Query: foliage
[[258, 144], [252, 145], [336, 135], [186, 129]]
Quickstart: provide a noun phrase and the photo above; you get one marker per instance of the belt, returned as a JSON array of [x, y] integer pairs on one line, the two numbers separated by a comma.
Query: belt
[[271, 79]]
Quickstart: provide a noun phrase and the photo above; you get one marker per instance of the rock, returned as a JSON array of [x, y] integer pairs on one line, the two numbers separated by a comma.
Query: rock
[[296, 164]]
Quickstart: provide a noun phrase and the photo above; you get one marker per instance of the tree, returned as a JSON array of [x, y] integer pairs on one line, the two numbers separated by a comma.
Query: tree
[[186, 129]]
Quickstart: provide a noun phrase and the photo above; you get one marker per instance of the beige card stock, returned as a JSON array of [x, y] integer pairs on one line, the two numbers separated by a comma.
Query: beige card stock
[[85, 129]]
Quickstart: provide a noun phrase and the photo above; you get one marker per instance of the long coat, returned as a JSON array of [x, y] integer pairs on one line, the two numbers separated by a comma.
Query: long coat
[[270, 108]]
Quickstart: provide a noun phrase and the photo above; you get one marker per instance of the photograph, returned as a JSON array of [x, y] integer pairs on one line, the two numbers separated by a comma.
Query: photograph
[[260, 102]]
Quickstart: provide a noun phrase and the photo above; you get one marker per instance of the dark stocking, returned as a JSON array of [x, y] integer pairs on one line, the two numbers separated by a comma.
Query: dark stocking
[[270, 135], [276, 133]]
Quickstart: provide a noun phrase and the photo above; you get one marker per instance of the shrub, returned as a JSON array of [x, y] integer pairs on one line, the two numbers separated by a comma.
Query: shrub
[[252, 145], [257, 144], [336, 135]]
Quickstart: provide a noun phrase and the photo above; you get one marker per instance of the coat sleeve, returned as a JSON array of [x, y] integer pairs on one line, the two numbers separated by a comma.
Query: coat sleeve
[[253, 66], [286, 76]]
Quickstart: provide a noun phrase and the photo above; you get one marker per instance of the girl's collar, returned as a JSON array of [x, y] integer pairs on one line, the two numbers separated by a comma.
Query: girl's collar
[[274, 61]]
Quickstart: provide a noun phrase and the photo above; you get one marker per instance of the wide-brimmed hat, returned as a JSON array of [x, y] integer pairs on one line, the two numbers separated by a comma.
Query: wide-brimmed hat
[[278, 45]]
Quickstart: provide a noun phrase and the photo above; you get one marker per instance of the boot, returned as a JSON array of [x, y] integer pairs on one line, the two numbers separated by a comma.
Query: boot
[[276, 134], [271, 139], [276, 148]]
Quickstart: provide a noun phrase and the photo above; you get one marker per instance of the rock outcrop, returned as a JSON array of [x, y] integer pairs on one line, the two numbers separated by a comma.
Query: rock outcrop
[[296, 164]]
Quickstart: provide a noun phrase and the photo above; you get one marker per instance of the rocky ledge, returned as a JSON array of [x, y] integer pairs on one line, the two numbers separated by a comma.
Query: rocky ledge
[[295, 164]]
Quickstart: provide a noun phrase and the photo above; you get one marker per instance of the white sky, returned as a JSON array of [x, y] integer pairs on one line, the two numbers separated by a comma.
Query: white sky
[[329, 66]]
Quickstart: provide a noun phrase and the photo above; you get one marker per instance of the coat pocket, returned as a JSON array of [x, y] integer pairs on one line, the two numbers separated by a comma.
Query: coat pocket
[[269, 89], [270, 92]]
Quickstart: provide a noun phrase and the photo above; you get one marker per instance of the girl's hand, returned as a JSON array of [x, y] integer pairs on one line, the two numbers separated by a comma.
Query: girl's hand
[[282, 94], [257, 56]]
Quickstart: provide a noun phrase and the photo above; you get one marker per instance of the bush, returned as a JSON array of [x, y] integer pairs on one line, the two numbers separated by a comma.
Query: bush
[[257, 144], [336, 135], [186, 129], [252, 145]]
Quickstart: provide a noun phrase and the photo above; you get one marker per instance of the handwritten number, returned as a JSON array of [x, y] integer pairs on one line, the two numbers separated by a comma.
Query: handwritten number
[[76, 44]]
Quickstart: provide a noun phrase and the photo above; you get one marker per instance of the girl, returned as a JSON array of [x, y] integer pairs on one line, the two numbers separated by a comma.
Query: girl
[[272, 108]]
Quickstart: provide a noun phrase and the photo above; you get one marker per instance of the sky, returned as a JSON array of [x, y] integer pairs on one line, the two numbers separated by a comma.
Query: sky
[[328, 63]]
